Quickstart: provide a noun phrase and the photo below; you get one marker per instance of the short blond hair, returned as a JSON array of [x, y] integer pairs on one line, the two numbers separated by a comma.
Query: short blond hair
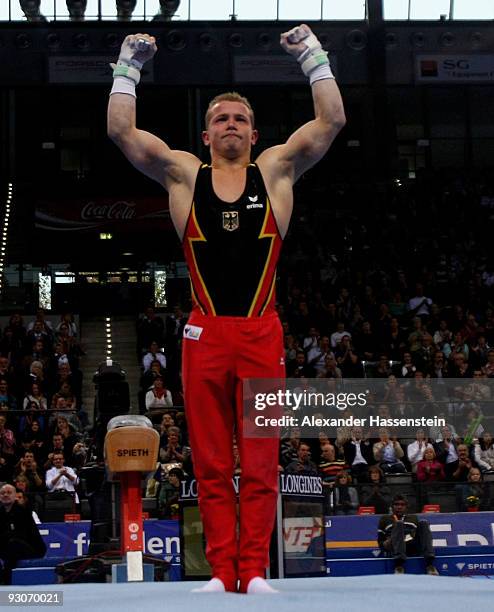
[[229, 96]]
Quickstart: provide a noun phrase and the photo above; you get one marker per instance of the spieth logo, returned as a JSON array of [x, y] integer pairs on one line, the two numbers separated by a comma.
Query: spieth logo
[[119, 210]]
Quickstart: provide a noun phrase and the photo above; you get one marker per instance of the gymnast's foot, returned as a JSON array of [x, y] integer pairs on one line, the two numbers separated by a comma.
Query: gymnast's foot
[[259, 586], [215, 585]]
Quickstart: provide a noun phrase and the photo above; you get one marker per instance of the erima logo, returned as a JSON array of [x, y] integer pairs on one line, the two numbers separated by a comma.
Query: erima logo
[[192, 332], [253, 198], [460, 566], [255, 203]]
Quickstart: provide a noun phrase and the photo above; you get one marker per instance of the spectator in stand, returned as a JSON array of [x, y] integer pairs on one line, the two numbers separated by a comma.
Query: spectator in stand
[[383, 322], [35, 394], [419, 305], [61, 477], [289, 447], [331, 369], [23, 500], [330, 466], [397, 307], [40, 319], [169, 494], [376, 493], [7, 448], [347, 359], [337, 336], [73, 377], [415, 336], [407, 368], [393, 341], [158, 396], [167, 421], [67, 319], [11, 346], [401, 535], [69, 435], [33, 439], [148, 377], [6, 398], [474, 494], [358, 454], [367, 343], [56, 446], [345, 497], [483, 348], [19, 535], [488, 369], [36, 375], [416, 450], [70, 345], [174, 325], [61, 356], [28, 467], [303, 464], [150, 328], [442, 335], [7, 372], [388, 453], [38, 345], [383, 368], [300, 368], [439, 368], [63, 410], [173, 452], [447, 451], [424, 356], [316, 357], [484, 452], [459, 367], [311, 341], [291, 346], [465, 463], [356, 319], [65, 392], [429, 469], [154, 354], [32, 415], [457, 347]]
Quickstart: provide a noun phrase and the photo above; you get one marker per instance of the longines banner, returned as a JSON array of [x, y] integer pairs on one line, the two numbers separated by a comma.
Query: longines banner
[[468, 68], [103, 214]]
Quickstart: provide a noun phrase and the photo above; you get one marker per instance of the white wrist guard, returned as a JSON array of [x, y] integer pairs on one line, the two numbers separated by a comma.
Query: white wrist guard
[[314, 60], [123, 85]]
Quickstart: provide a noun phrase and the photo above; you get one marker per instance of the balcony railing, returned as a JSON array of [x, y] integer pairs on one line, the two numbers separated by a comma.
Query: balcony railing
[[265, 10]]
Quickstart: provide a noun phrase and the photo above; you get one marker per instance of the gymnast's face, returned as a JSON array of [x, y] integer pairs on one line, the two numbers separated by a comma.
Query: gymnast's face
[[230, 132]]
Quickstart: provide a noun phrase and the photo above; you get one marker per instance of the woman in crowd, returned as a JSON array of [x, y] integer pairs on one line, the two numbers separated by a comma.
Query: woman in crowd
[[376, 493], [484, 452], [429, 469], [158, 396], [345, 497]]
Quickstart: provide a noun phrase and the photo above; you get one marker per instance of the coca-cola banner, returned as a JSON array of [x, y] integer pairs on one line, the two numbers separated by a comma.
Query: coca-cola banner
[[103, 214]]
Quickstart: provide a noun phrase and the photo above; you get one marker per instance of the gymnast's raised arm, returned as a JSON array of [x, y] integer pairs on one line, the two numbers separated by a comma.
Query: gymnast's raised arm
[[146, 152]]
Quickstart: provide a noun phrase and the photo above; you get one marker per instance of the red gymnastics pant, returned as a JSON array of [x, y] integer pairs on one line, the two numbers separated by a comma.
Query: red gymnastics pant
[[226, 351]]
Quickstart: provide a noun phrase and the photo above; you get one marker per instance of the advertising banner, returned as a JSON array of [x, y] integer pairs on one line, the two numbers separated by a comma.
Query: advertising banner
[[468, 68]]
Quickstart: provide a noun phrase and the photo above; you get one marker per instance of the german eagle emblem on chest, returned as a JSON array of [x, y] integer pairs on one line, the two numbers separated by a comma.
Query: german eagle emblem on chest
[[230, 220]]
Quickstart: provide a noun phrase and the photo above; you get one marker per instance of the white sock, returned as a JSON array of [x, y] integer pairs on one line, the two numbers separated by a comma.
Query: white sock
[[258, 586], [215, 585]]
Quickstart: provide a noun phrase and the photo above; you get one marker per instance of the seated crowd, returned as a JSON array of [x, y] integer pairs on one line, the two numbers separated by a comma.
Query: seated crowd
[[42, 421]]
